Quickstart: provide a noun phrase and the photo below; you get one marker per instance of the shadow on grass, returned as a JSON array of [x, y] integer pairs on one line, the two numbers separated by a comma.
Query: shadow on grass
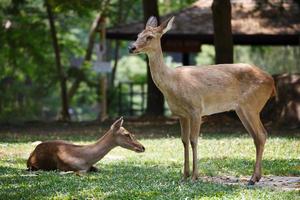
[[135, 180], [123, 181]]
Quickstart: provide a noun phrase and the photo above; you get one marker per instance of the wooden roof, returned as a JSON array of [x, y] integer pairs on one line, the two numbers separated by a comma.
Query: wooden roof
[[268, 24]]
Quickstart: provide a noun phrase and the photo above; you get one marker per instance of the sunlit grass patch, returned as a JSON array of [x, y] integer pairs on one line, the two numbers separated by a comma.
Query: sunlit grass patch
[[155, 174]]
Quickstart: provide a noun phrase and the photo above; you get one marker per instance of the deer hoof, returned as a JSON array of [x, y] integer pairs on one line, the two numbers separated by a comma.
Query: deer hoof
[[254, 179], [195, 177], [250, 183]]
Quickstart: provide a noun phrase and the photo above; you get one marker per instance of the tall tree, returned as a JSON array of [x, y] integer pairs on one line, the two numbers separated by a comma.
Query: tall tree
[[62, 77], [221, 10], [155, 99]]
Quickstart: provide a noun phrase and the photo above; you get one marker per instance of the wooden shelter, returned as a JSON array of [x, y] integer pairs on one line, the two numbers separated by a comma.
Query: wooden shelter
[[253, 23]]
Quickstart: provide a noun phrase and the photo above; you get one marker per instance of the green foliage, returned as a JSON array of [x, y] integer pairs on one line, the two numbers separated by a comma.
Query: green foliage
[[27, 73], [27, 57], [29, 87], [274, 59], [28, 76], [155, 174], [206, 56], [168, 6], [132, 68], [81, 7]]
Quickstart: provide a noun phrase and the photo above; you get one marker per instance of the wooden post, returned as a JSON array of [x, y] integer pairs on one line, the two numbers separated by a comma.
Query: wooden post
[[120, 99], [103, 101], [131, 99], [143, 98], [185, 59], [103, 77]]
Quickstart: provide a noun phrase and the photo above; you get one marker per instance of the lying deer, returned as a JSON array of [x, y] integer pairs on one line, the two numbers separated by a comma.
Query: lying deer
[[65, 156], [193, 92]]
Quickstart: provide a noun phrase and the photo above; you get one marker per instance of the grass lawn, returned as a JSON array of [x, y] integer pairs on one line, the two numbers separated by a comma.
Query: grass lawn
[[155, 174]]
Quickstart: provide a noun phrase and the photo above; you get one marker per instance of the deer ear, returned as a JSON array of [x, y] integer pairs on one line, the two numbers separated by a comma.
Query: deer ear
[[117, 124], [167, 25], [152, 21]]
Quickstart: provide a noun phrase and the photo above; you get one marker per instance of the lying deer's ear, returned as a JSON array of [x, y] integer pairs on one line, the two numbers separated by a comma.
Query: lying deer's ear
[[167, 25], [117, 124], [152, 21]]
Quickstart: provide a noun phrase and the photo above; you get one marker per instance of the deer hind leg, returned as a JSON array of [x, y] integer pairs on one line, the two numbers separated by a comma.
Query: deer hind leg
[[185, 136], [195, 129], [253, 125]]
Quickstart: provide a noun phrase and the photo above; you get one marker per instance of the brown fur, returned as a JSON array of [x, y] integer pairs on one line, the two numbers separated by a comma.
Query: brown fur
[[193, 92], [65, 156]]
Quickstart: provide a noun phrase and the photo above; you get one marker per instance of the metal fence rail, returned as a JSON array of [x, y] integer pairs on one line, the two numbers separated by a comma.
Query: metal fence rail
[[132, 98]]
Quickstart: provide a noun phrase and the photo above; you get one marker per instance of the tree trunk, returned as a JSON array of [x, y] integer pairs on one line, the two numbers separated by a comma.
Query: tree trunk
[[221, 10], [155, 99], [62, 78]]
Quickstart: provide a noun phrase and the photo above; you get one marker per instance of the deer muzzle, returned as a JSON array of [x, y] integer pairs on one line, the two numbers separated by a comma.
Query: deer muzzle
[[131, 48], [139, 148]]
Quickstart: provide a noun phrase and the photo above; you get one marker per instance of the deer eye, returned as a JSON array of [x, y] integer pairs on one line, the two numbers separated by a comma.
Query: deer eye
[[149, 38]]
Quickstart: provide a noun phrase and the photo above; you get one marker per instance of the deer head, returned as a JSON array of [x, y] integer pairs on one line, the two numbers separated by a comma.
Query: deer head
[[149, 39], [124, 138]]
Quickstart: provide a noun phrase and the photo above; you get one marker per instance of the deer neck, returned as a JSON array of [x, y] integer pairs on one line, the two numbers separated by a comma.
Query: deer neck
[[160, 73], [100, 148]]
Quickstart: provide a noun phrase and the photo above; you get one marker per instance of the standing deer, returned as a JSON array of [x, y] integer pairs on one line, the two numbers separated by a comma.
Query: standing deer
[[192, 92], [65, 156]]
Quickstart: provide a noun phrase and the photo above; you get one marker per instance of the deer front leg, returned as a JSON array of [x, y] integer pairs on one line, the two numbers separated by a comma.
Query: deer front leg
[[195, 128], [185, 137]]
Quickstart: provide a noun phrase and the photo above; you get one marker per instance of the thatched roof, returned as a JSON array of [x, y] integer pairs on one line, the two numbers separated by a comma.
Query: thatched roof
[[252, 23]]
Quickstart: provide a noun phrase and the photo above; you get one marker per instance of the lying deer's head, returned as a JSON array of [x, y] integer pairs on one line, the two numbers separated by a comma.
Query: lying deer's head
[[149, 39], [124, 138]]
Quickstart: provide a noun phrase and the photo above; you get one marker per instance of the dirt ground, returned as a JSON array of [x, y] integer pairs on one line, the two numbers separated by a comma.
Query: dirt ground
[[274, 182], [148, 127]]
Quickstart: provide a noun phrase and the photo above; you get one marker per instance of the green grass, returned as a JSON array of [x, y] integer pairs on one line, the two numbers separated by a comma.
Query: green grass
[[155, 174]]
